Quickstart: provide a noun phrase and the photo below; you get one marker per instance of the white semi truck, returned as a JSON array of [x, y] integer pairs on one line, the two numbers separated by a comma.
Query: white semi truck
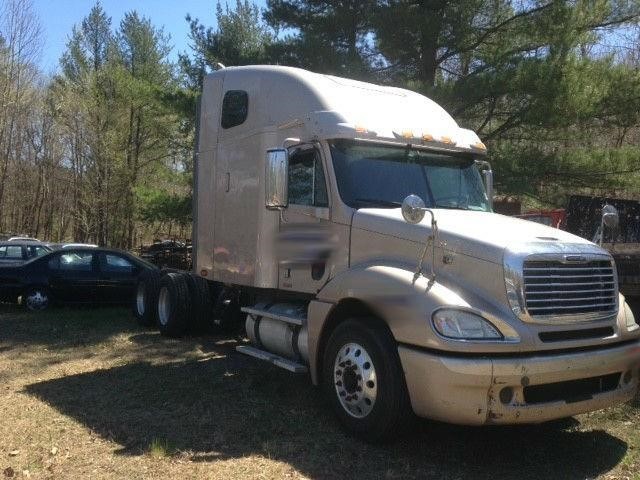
[[349, 227]]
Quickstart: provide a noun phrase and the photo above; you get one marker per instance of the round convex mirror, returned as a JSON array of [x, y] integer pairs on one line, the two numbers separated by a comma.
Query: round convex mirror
[[413, 209]]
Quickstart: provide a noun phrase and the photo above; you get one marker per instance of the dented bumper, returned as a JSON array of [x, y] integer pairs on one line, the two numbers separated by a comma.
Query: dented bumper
[[530, 388]]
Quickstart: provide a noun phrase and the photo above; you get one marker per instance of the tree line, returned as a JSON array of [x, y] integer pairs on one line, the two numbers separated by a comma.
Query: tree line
[[101, 151]]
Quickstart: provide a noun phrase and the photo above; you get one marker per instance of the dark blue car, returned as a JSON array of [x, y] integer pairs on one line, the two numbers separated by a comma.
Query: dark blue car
[[73, 275]]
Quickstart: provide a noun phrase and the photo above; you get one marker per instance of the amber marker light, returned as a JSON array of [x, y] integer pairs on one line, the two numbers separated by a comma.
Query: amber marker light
[[407, 134]]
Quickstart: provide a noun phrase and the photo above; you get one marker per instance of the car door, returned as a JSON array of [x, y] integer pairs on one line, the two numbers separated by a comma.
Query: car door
[[305, 236], [118, 276], [74, 276]]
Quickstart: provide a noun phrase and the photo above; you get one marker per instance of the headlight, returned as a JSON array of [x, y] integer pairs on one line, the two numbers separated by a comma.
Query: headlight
[[460, 324]]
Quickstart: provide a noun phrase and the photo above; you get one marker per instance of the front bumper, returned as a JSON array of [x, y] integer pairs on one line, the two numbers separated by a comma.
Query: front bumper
[[469, 390]]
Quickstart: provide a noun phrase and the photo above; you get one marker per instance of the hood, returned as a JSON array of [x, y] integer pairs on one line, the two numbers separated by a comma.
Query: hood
[[478, 234]]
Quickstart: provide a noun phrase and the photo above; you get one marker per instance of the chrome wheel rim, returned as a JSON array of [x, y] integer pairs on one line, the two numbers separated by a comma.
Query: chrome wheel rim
[[355, 380], [140, 299], [37, 300], [164, 306]]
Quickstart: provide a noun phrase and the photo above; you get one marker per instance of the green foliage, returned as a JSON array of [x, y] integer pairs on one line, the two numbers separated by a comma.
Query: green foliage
[[160, 206], [241, 38], [557, 107], [329, 37], [122, 88]]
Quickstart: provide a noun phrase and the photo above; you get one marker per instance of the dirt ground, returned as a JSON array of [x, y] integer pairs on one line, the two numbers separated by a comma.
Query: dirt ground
[[86, 393]]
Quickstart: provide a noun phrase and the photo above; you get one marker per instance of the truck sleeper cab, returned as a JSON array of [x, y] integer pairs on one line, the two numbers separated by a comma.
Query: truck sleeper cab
[[349, 226]]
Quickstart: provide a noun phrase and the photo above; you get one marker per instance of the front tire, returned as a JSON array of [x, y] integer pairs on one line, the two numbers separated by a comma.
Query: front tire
[[37, 299], [364, 382]]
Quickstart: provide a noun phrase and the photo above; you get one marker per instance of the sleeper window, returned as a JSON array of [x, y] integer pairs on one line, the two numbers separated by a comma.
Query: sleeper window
[[235, 108]]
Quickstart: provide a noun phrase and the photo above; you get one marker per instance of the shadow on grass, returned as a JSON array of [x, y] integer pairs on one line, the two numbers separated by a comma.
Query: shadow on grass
[[62, 327], [229, 406]]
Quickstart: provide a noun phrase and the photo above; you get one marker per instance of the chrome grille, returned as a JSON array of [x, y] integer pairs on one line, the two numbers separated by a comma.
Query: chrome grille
[[556, 288]]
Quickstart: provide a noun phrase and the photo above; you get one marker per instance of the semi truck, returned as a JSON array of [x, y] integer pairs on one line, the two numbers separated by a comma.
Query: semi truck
[[347, 230]]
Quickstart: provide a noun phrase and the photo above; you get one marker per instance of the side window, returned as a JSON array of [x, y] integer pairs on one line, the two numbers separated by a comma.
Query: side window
[[307, 184], [13, 251], [235, 108], [74, 262], [36, 251], [115, 264], [3, 252]]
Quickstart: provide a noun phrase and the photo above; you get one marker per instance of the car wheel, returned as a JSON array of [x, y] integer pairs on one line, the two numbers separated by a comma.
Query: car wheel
[[37, 299], [145, 302], [174, 304], [364, 382]]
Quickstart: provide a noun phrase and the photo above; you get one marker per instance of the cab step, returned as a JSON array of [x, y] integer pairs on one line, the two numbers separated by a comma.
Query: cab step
[[276, 316], [272, 358]]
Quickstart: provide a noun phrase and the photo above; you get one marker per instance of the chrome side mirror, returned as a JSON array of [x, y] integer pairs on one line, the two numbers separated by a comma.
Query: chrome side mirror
[[610, 217], [413, 209], [276, 185], [487, 177]]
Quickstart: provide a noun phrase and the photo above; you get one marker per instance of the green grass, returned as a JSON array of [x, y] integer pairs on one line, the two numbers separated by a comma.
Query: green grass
[[115, 400], [161, 448]]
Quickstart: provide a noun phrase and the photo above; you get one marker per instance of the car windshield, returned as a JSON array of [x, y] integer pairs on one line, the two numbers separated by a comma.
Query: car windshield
[[382, 176]]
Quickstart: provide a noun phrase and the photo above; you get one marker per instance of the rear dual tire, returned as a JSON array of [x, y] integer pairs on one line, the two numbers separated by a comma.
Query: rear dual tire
[[145, 303], [174, 304]]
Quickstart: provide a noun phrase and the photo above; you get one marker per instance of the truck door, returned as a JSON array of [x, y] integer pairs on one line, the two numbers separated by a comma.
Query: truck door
[[305, 237]]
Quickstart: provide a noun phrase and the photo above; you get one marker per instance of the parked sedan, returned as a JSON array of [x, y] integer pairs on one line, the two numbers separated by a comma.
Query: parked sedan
[[73, 275], [16, 251]]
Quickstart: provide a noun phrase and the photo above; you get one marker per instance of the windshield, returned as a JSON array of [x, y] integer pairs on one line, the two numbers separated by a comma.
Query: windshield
[[382, 176]]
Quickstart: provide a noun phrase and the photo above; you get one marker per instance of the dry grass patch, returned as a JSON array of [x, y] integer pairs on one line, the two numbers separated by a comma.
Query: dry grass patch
[[86, 393]]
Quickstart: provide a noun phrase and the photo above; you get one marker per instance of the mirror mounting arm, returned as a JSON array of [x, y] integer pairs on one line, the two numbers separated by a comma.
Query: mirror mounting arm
[[433, 240]]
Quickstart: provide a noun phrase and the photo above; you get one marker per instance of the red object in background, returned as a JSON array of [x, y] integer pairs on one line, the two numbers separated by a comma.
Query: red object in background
[[553, 218]]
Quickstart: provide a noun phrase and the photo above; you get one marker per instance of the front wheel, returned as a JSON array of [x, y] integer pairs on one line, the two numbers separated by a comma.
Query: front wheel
[[364, 381], [37, 299]]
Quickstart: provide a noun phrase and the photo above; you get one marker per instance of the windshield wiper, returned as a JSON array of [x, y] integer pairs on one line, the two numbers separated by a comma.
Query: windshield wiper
[[378, 202], [450, 207]]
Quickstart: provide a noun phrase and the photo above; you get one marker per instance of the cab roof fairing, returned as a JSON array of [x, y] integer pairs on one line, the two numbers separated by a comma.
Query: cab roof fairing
[[331, 106]]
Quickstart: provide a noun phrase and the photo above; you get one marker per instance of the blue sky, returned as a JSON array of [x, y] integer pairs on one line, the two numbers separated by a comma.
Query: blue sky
[[57, 18]]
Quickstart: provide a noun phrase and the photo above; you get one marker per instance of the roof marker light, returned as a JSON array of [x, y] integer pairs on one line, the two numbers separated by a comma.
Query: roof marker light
[[407, 134], [479, 146], [361, 129], [427, 138], [447, 140]]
